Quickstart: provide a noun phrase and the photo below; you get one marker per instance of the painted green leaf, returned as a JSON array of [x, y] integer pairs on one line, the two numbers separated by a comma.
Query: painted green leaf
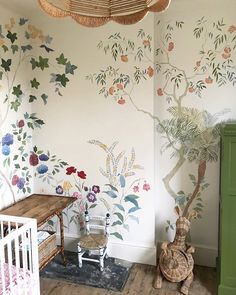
[[34, 63], [61, 60], [32, 98], [120, 216], [1, 73], [6, 65], [5, 48], [26, 47], [17, 90], [15, 105], [48, 39], [27, 35], [70, 68], [132, 199], [12, 36], [110, 194], [43, 63], [119, 206], [50, 222], [112, 187], [14, 48], [117, 235], [22, 21], [92, 206], [118, 222], [48, 49], [126, 226], [44, 98], [133, 209], [62, 79], [34, 83], [122, 181]]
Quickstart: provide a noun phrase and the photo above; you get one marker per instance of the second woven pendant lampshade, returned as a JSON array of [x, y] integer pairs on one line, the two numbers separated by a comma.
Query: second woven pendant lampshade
[[94, 13]]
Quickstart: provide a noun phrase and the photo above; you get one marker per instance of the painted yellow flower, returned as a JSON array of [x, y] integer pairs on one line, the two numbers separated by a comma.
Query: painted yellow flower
[[67, 186], [1, 42]]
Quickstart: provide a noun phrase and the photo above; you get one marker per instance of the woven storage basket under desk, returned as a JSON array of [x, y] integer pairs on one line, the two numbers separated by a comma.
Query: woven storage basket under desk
[[46, 247]]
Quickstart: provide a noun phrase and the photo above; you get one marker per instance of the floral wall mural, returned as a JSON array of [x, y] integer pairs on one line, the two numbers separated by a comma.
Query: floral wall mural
[[25, 44], [25, 48], [133, 129]]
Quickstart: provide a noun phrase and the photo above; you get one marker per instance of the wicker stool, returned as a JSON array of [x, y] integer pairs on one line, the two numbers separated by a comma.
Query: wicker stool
[[94, 240]]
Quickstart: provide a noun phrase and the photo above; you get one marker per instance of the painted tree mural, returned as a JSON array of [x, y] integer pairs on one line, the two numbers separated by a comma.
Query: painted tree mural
[[191, 134]]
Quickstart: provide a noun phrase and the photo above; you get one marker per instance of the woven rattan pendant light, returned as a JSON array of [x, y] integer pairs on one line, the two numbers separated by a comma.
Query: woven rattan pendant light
[[94, 13]]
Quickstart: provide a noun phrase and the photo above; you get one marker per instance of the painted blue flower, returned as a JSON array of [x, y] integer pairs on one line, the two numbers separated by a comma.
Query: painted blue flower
[[59, 190], [91, 197], [43, 157], [21, 182], [5, 150], [7, 139], [42, 169]]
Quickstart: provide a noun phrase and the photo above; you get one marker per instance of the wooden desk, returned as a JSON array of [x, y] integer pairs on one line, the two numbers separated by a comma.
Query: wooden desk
[[42, 208]]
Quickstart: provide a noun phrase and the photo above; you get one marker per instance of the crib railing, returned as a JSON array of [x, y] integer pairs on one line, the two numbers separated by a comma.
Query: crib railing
[[19, 269]]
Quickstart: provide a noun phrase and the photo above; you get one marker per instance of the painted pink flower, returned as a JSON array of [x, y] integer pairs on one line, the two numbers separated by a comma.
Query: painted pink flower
[[136, 189], [77, 195], [15, 179], [70, 170], [33, 159], [21, 124], [82, 208], [146, 186], [81, 174]]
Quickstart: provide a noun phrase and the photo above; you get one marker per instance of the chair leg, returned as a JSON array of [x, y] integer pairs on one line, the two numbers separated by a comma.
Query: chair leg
[[101, 258], [79, 255]]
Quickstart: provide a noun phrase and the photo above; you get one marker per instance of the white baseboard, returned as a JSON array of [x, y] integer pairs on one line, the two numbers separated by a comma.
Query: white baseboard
[[203, 255], [122, 250]]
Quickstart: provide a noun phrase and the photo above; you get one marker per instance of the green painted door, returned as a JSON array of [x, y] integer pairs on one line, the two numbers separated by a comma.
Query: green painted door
[[227, 236]]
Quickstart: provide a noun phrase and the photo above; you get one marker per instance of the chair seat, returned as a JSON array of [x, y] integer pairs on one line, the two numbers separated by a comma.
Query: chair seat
[[93, 241]]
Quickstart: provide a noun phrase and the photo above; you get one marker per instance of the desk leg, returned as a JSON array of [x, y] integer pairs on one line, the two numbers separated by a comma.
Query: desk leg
[[60, 216]]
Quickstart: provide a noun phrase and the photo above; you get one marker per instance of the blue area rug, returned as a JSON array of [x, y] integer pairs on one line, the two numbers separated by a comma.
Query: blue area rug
[[113, 277]]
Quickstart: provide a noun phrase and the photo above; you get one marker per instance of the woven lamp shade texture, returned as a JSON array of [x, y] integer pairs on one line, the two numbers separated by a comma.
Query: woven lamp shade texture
[[98, 12]]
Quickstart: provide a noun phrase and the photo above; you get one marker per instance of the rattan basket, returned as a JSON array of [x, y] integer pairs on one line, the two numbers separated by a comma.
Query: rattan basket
[[47, 247]]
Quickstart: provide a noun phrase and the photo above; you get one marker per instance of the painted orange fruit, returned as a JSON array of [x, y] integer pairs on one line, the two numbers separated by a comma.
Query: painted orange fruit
[[120, 86], [124, 58], [146, 42], [159, 91], [121, 100], [171, 46], [209, 80], [111, 90]]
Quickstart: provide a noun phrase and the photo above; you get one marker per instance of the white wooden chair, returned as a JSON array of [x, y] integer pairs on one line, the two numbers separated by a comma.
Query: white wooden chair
[[94, 240]]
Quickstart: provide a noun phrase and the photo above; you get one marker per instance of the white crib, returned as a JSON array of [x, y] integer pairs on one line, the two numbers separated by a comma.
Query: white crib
[[19, 269]]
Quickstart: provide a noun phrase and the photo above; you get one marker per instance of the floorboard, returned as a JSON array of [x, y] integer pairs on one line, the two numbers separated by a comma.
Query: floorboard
[[139, 283]]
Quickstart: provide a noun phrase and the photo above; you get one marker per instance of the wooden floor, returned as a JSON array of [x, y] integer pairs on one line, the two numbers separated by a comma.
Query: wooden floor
[[139, 283]]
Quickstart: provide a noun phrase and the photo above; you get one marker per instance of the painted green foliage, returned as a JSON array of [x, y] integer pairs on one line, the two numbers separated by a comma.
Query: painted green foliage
[[191, 135], [22, 44], [120, 195]]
